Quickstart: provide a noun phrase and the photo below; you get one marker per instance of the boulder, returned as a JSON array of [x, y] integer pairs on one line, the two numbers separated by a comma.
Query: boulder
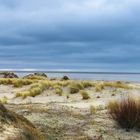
[[65, 78], [8, 75], [36, 76]]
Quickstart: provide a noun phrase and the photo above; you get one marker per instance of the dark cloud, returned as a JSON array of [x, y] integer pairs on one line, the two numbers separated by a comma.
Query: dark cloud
[[70, 34]]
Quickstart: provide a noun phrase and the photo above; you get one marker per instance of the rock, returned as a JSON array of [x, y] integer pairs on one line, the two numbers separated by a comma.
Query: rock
[[36, 76], [65, 78], [40, 74], [16, 127], [98, 97], [8, 75]]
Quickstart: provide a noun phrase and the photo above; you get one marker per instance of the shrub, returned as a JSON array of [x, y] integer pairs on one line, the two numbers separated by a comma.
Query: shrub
[[84, 95], [126, 112]]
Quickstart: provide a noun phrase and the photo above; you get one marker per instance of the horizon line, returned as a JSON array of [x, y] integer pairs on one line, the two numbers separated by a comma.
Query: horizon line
[[64, 71]]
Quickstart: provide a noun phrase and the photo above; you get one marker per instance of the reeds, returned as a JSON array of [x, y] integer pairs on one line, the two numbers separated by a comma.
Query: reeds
[[126, 112]]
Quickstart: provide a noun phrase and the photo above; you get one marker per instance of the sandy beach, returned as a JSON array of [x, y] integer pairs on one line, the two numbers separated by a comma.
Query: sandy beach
[[65, 115]]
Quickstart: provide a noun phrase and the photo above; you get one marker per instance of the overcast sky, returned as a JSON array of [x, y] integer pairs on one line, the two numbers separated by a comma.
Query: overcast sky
[[83, 35]]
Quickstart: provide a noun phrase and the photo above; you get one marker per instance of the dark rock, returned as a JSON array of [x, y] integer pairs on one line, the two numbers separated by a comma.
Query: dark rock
[[8, 75], [40, 74], [65, 78], [30, 76], [98, 97]]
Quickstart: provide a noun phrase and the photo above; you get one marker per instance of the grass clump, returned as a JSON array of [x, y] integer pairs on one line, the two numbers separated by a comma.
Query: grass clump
[[34, 90], [86, 84], [4, 100], [35, 77], [59, 91], [99, 88], [15, 82], [84, 95], [92, 109], [73, 88], [126, 112], [117, 84]]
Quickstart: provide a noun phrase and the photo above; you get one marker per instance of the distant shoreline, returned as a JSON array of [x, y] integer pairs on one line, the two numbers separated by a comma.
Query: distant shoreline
[[79, 72]]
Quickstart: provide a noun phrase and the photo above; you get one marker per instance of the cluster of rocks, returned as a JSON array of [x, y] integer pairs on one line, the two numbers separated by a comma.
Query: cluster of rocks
[[8, 75], [43, 75], [13, 75]]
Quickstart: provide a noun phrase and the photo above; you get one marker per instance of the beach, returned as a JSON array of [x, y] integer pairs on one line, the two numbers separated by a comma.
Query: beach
[[65, 109]]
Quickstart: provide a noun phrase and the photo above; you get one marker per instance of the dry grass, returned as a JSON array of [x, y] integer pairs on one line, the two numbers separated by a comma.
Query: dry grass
[[92, 109], [15, 82], [117, 84], [59, 91], [126, 112], [34, 90], [35, 77], [99, 87]]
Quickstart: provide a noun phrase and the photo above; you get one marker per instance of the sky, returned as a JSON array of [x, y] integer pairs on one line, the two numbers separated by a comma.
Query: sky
[[70, 35]]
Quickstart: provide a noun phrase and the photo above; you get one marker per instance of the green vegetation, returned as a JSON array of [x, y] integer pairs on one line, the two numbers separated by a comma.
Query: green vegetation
[[126, 112], [84, 95]]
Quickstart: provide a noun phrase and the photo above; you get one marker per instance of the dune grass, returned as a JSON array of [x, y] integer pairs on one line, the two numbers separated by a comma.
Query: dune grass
[[126, 112], [4, 100], [84, 95], [34, 90], [99, 87], [117, 84], [35, 77], [15, 82], [59, 91]]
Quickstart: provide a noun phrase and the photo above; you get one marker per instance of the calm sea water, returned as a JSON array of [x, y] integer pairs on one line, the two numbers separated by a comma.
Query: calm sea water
[[92, 76]]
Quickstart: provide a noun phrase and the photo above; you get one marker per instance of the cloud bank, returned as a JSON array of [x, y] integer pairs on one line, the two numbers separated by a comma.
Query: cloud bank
[[94, 35]]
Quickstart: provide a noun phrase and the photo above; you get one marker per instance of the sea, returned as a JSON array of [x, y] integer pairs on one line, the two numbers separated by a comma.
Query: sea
[[106, 76]]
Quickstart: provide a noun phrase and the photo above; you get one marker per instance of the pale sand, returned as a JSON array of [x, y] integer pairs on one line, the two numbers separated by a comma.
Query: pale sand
[[71, 117]]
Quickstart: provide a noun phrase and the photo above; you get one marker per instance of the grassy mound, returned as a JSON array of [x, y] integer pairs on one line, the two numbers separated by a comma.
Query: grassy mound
[[16, 127]]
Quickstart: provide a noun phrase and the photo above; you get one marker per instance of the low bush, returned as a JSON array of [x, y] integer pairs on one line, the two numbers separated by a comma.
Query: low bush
[[126, 112]]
